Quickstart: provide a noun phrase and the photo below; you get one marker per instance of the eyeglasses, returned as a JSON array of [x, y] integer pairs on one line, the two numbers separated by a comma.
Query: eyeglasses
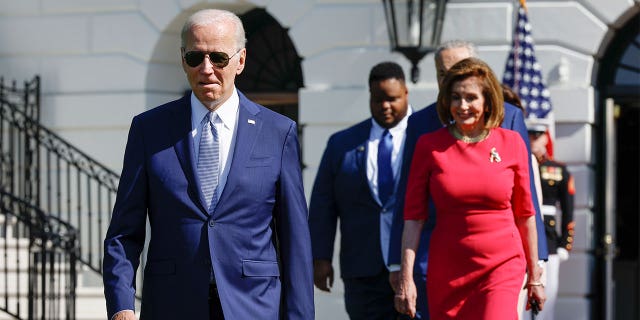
[[218, 59]]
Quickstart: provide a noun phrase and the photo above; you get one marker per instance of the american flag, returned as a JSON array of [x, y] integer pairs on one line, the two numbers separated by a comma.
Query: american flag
[[523, 72]]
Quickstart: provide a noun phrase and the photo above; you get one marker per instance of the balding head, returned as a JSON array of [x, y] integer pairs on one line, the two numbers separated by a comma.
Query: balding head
[[450, 53]]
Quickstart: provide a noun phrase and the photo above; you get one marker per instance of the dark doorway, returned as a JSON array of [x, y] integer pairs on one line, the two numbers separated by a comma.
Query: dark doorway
[[273, 74], [617, 220], [626, 266]]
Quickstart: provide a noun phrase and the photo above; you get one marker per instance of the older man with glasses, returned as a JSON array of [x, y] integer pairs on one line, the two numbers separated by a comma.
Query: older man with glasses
[[219, 179]]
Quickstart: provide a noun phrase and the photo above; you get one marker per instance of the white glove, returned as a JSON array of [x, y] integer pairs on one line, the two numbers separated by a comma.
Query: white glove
[[563, 254]]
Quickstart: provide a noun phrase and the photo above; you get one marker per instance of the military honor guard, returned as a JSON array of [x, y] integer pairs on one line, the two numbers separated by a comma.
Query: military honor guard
[[557, 207]]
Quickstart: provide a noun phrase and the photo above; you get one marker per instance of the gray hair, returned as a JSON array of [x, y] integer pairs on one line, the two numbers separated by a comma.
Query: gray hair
[[212, 16], [454, 44]]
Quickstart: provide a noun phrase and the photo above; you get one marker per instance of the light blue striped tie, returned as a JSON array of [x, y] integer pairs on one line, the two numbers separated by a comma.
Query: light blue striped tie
[[209, 161]]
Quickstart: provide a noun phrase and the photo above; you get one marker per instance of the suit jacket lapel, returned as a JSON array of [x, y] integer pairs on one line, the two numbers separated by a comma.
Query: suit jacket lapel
[[362, 151], [184, 149], [361, 160], [247, 130]]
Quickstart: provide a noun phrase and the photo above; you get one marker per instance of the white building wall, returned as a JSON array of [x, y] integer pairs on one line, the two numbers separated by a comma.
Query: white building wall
[[103, 61], [568, 34]]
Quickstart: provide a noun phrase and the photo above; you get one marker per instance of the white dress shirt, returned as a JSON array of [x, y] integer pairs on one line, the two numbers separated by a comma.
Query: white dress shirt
[[398, 136], [225, 123]]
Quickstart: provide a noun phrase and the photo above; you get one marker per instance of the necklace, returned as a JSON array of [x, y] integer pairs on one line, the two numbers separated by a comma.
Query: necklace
[[483, 135]]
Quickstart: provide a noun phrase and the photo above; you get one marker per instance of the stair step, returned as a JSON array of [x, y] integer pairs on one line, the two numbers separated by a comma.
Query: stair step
[[24, 309], [14, 259], [90, 304], [13, 242], [12, 306], [14, 255]]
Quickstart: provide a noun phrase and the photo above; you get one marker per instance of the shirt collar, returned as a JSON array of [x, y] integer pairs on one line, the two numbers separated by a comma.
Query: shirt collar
[[226, 112], [376, 129]]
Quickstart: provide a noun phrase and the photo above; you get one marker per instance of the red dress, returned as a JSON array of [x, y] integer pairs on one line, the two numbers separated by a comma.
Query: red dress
[[476, 259]]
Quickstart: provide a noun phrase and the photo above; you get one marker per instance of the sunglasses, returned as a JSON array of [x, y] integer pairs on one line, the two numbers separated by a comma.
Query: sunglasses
[[218, 59]]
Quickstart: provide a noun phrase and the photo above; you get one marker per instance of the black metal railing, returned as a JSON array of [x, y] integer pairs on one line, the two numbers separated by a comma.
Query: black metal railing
[[17, 157], [37, 262], [26, 98], [48, 172]]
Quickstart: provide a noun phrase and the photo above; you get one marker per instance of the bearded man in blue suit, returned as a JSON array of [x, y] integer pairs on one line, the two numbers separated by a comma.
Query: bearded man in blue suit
[[425, 121], [219, 178]]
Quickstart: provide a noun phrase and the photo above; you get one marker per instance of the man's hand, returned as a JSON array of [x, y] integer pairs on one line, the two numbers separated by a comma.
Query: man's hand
[[124, 315], [394, 280], [406, 296], [323, 275]]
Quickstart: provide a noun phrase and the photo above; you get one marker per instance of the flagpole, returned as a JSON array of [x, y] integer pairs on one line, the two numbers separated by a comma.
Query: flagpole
[[516, 82]]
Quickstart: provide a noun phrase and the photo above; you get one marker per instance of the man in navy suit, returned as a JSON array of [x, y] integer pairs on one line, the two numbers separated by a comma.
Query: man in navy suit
[[425, 121], [356, 184], [219, 178]]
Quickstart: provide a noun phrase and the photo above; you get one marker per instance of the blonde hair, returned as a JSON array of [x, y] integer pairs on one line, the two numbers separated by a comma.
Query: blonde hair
[[491, 91]]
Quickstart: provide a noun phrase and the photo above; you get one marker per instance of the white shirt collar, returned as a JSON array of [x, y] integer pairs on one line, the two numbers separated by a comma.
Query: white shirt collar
[[226, 112], [376, 129]]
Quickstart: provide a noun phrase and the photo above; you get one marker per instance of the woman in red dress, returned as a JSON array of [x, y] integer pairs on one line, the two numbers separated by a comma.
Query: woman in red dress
[[477, 175]]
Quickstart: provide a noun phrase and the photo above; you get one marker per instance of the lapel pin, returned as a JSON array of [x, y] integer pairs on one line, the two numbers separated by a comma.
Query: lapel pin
[[251, 121], [494, 156]]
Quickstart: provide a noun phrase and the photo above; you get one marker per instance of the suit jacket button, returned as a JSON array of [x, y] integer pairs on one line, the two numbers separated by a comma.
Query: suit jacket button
[[212, 223]]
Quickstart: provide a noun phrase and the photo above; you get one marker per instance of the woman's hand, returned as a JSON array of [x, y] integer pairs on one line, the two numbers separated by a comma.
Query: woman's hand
[[536, 293], [535, 288], [406, 295], [527, 227]]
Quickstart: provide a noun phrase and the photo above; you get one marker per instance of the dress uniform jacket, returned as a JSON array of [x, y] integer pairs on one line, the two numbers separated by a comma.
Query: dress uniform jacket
[[557, 189]]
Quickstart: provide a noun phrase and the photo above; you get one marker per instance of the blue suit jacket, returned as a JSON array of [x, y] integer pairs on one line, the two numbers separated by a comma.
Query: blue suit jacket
[[341, 190], [159, 181], [425, 121]]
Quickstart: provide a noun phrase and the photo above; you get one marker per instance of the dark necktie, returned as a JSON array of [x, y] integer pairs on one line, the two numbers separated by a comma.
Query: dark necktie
[[385, 173], [209, 161]]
